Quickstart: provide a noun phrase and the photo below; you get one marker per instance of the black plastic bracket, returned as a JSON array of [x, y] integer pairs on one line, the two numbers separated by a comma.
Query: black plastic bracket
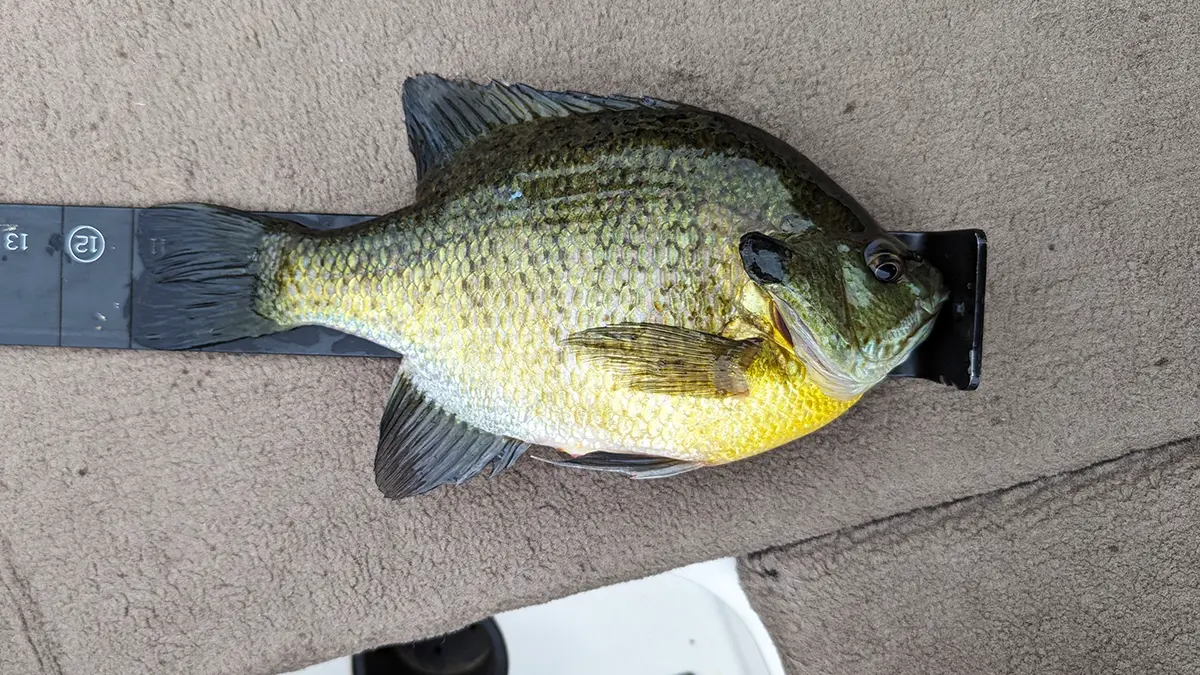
[[953, 352], [66, 275]]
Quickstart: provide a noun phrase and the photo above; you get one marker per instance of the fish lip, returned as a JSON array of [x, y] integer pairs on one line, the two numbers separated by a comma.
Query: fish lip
[[914, 339], [933, 308], [916, 336]]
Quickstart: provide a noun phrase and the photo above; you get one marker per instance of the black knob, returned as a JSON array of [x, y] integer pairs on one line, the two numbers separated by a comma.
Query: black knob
[[477, 649]]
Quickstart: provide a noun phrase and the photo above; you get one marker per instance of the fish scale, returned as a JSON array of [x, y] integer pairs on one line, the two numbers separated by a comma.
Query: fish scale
[[438, 282], [649, 286]]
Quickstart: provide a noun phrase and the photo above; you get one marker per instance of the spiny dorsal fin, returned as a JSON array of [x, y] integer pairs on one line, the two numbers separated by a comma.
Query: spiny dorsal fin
[[443, 116], [422, 446]]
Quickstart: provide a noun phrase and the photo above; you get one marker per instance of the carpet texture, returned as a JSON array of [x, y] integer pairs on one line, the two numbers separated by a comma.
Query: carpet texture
[[1095, 571], [202, 513]]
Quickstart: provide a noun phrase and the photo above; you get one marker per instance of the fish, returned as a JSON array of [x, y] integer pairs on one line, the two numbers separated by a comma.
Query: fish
[[633, 284]]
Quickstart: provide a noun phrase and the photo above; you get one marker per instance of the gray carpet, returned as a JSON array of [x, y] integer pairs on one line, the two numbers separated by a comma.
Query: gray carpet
[[1095, 571], [217, 514]]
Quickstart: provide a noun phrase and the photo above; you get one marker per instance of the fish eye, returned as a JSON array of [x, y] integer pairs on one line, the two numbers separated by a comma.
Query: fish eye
[[884, 261]]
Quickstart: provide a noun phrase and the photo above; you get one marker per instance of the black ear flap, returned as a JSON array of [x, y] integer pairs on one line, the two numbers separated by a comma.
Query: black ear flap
[[763, 257]]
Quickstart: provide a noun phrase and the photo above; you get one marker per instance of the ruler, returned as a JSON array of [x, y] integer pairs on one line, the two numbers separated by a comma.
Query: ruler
[[66, 276]]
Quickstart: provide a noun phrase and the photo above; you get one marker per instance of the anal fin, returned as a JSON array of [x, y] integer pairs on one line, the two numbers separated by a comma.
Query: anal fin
[[422, 447]]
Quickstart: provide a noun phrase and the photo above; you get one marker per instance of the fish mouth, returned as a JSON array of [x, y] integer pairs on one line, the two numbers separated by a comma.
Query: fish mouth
[[930, 310], [836, 379]]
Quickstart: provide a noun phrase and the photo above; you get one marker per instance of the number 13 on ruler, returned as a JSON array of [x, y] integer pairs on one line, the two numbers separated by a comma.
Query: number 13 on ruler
[[16, 241]]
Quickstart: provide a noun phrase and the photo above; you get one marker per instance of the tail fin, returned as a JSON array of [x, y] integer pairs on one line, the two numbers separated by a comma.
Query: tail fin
[[199, 286]]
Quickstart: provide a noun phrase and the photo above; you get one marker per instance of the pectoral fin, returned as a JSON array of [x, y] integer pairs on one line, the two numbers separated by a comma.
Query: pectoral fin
[[669, 360], [422, 446], [634, 466]]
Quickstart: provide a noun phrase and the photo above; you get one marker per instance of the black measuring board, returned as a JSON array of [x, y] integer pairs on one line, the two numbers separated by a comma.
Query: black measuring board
[[66, 274], [96, 259], [30, 273]]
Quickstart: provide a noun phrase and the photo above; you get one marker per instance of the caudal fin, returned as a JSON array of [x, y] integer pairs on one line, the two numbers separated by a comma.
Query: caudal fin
[[200, 284]]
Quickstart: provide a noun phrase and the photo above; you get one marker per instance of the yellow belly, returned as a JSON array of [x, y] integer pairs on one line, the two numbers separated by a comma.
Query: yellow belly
[[481, 310], [545, 395]]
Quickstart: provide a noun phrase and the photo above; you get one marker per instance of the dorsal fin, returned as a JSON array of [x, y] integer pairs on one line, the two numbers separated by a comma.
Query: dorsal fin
[[442, 116]]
